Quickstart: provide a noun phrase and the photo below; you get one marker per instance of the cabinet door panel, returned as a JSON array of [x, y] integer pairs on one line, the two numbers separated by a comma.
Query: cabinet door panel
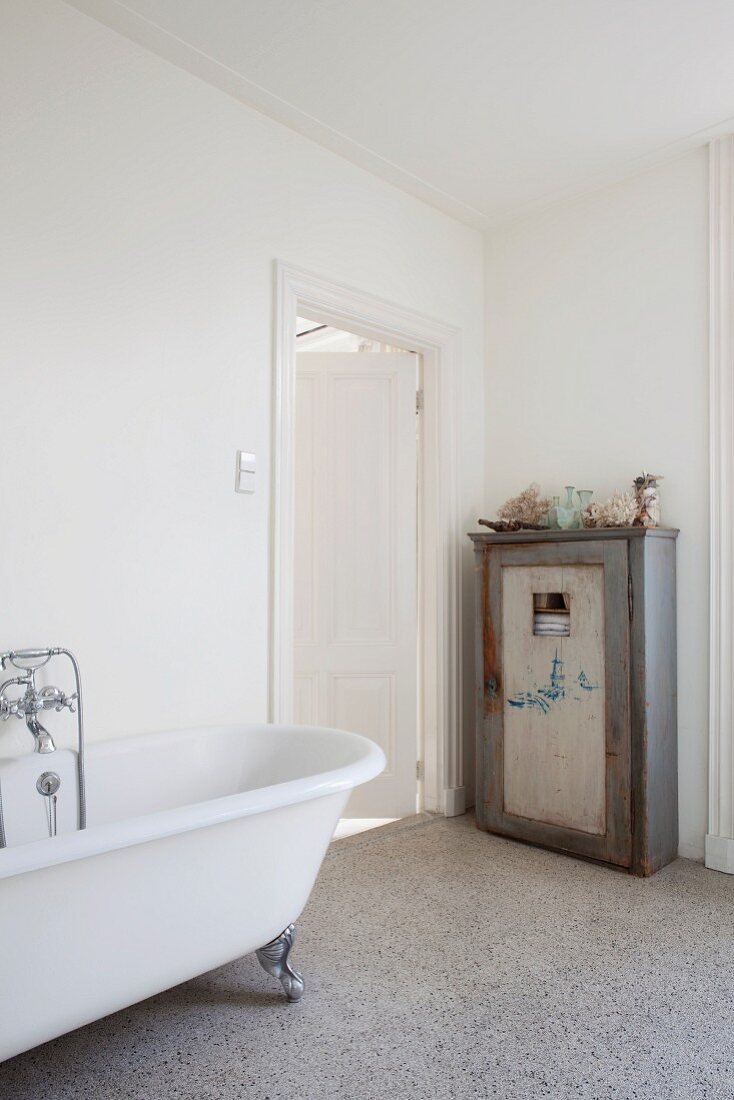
[[555, 758], [554, 721]]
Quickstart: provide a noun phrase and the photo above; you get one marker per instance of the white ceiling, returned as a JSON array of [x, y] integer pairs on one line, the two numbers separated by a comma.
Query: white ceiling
[[486, 108]]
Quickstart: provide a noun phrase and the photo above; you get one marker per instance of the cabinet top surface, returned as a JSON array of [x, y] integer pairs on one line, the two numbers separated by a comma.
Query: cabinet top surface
[[488, 537]]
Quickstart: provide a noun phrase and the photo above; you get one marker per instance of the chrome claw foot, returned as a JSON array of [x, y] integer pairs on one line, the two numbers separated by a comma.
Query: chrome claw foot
[[273, 958]]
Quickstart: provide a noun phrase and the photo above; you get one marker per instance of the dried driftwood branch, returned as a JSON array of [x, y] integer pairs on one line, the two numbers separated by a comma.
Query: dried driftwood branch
[[502, 525]]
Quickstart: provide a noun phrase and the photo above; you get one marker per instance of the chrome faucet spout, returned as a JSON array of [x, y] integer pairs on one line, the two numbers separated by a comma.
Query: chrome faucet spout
[[43, 740]]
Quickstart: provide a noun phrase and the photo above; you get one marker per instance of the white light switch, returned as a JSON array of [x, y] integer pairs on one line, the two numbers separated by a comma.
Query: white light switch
[[245, 472]]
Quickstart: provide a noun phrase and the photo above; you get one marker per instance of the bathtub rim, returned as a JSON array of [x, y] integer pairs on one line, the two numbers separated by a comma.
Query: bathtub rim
[[368, 762]]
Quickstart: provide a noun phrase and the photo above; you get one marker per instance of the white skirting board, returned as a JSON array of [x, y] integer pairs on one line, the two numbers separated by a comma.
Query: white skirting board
[[720, 853], [454, 801]]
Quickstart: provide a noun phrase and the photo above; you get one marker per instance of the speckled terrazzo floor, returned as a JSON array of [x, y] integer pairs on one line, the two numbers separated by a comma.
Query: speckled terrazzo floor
[[441, 962]]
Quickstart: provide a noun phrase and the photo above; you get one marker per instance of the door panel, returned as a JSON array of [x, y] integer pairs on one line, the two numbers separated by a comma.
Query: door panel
[[555, 744], [365, 703], [362, 407], [556, 705], [355, 551]]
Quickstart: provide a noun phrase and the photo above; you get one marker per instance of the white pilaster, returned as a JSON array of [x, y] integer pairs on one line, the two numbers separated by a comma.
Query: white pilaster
[[720, 836]]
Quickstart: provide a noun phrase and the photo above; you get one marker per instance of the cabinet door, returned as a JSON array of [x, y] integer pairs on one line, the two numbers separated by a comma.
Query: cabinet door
[[555, 735]]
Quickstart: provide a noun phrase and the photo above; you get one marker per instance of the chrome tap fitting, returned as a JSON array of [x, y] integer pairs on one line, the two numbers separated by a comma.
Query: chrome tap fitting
[[31, 703]]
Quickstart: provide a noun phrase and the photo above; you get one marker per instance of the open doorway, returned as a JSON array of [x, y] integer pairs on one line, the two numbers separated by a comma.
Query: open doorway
[[356, 565], [301, 294]]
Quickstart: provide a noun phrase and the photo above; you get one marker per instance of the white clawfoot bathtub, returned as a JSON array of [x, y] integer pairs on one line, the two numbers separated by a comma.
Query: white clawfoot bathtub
[[202, 846]]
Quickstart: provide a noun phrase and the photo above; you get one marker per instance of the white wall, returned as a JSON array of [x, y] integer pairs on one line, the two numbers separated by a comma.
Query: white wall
[[597, 367], [141, 214]]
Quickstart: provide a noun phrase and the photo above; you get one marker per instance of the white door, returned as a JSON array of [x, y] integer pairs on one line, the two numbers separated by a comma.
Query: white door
[[355, 660]]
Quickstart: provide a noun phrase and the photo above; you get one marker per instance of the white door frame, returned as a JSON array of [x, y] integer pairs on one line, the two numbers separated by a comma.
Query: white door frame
[[299, 293]]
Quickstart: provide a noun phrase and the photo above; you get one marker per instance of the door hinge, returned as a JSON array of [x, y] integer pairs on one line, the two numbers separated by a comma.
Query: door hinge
[[418, 401], [419, 769], [630, 599]]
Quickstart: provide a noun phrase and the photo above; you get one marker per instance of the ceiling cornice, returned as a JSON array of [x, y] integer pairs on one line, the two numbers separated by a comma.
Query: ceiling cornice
[[118, 17]]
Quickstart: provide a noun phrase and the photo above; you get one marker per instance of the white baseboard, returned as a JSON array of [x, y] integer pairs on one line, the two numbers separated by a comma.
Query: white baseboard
[[454, 800], [720, 853]]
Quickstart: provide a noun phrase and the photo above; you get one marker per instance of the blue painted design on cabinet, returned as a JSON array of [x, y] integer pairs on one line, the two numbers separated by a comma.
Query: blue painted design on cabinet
[[552, 692]]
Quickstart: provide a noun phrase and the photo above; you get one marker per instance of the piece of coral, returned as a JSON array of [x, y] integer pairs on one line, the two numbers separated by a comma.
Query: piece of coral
[[619, 511], [528, 507]]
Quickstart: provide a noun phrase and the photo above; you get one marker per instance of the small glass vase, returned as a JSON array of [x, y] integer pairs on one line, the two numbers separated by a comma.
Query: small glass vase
[[569, 516], [553, 514]]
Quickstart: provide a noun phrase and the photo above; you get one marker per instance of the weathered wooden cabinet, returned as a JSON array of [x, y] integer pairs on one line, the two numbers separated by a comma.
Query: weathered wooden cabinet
[[576, 695]]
